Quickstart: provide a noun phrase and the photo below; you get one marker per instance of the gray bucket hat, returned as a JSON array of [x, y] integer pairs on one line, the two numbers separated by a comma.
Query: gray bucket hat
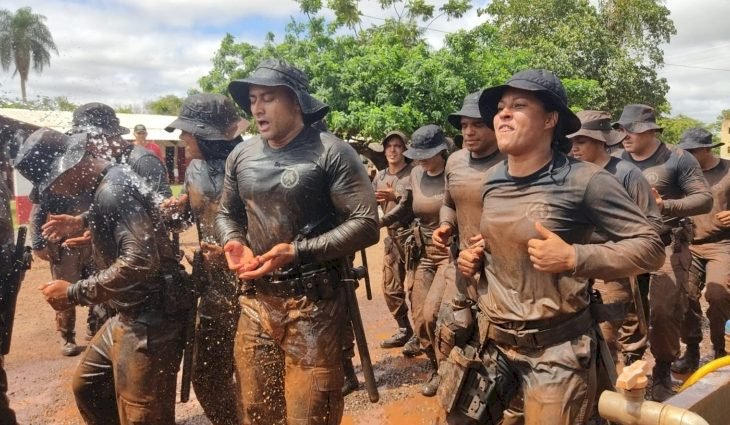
[[209, 117], [276, 72], [597, 126], [638, 118], [426, 142], [469, 109], [542, 82], [696, 138], [97, 117], [47, 154]]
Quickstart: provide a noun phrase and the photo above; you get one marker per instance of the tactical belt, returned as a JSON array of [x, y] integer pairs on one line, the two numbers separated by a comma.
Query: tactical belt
[[311, 281], [566, 330]]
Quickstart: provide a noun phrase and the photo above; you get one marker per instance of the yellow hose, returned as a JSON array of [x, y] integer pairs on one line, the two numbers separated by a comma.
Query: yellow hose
[[704, 370]]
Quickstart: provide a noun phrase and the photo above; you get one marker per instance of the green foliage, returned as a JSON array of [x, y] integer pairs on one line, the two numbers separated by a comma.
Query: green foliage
[[24, 40], [165, 105], [675, 126], [124, 109]]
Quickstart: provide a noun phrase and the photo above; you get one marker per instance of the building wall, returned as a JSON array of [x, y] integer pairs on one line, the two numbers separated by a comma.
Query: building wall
[[725, 138]]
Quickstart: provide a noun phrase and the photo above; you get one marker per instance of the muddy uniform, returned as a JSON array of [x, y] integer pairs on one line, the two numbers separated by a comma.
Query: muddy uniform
[[394, 271], [127, 374], [677, 176], [462, 209], [218, 310], [313, 192], [7, 250], [70, 264], [626, 335], [710, 264], [539, 321], [145, 163]]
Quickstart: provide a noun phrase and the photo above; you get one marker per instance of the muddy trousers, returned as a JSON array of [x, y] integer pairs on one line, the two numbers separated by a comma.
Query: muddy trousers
[[429, 284], [7, 415], [668, 301], [127, 375], [394, 275], [67, 264], [288, 354], [623, 336], [213, 370], [710, 271]]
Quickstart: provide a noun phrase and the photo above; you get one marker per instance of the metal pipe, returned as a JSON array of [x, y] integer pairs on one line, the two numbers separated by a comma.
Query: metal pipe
[[704, 370], [630, 408]]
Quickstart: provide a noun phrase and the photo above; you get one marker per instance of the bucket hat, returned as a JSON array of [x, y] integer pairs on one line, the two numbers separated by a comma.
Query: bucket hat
[[97, 117], [597, 126], [637, 118], [47, 154], [540, 81], [469, 109], [276, 72], [380, 147], [426, 142], [209, 117], [696, 138]]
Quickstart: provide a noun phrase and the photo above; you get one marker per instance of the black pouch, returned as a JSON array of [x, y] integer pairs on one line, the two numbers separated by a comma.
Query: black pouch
[[177, 292]]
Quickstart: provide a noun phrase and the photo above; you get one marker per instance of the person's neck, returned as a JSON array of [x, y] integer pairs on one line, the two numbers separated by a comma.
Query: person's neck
[[646, 152], [438, 169], [485, 153], [142, 142], [394, 168], [530, 162], [709, 163], [285, 140], [602, 159]]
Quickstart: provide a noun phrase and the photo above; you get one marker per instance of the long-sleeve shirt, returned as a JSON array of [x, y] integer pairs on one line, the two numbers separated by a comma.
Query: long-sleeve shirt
[[314, 192], [148, 166], [385, 180], [707, 227], [570, 198], [677, 176]]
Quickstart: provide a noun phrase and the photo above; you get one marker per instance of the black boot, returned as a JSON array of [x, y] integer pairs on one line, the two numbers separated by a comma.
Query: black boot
[[70, 348], [351, 382], [661, 382], [431, 386], [412, 348], [405, 331], [689, 362]]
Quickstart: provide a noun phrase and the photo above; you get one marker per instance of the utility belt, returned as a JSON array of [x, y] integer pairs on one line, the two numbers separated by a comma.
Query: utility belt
[[153, 302], [680, 234], [415, 244], [316, 281], [546, 335]]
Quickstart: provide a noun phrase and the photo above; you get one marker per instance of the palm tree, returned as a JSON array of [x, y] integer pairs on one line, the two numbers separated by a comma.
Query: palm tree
[[24, 37]]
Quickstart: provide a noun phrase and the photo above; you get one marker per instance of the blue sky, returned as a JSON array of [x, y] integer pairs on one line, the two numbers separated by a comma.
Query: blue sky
[[128, 52]]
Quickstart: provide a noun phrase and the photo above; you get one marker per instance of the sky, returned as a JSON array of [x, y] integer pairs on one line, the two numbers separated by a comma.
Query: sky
[[129, 52]]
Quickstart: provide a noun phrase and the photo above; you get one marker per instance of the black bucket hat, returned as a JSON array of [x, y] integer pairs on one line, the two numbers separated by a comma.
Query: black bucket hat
[[469, 109], [597, 126], [46, 154], [276, 72], [638, 118], [540, 81], [696, 138], [426, 142], [209, 117], [97, 117]]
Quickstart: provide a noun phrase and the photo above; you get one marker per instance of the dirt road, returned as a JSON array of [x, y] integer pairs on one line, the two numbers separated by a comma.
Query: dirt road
[[40, 377]]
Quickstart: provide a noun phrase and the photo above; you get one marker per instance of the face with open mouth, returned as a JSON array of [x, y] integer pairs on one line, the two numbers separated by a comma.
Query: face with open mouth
[[276, 113], [521, 122]]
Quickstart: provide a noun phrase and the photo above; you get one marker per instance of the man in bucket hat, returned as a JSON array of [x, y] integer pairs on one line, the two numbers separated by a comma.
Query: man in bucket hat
[[539, 210], [127, 373], [296, 201], [591, 144], [681, 191], [710, 248], [211, 128], [385, 185]]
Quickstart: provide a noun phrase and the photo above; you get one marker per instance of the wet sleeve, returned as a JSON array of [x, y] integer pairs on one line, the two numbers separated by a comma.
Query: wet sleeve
[[151, 169], [354, 201], [634, 245], [38, 214], [402, 212], [447, 214], [697, 196], [138, 258], [230, 222], [640, 191]]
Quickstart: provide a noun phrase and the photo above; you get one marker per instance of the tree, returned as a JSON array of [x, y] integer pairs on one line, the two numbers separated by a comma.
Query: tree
[[675, 126], [24, 38], [165, 105]]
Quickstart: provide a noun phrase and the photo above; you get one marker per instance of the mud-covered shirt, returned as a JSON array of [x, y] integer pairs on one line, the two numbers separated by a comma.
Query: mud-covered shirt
[[129, 241], [707, 227], [314, 192], [385, 180], [638, 189], [570, 198], [427, 193], [678, 178], [462, 207], [204, 185], [145, 163]]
